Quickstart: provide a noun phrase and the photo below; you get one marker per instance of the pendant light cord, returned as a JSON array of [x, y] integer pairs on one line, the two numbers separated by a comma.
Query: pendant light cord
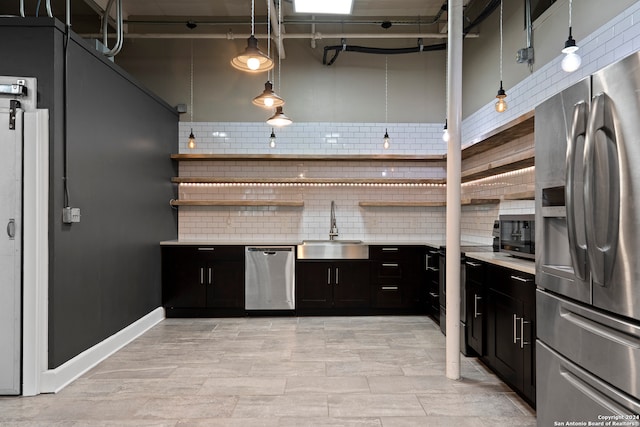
[[279, 46], [252, 17], [191, 81], [501, 42], [386, 89], [268, 34], [570, 4]]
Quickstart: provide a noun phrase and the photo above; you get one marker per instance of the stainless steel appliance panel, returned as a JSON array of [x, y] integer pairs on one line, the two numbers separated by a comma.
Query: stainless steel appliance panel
[[583, 397], [270, 278], [612, 187], [561, 261], [517, 235], [605, 346]]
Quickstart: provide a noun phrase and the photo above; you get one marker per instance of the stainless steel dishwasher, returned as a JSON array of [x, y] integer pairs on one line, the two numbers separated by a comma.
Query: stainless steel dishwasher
[[270, 278]]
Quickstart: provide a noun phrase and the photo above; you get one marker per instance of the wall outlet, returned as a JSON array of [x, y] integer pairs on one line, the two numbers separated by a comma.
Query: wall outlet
[[70, 215]]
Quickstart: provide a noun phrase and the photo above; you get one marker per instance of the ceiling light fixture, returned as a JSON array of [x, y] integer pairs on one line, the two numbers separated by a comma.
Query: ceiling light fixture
[[252, 59], [268, 98], [337, 7], [385, 139], [279, 119], [445, 132], [272, 139], [191, 143], [501, 104], [571, 61]]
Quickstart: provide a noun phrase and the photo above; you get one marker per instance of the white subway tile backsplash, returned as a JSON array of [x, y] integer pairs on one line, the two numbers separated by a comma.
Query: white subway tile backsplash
[[616, 39]]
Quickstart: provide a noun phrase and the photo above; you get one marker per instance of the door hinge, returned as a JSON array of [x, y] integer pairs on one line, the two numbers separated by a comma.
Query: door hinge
[[13, 106]]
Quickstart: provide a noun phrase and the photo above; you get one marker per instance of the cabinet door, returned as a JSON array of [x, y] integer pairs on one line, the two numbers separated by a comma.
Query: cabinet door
[[225, 284], [351, 284], [314, 286], [475, 316], [503, 349], [183, 278]]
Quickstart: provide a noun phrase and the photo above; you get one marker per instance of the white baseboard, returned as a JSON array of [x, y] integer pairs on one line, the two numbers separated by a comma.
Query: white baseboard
[[54, 380]]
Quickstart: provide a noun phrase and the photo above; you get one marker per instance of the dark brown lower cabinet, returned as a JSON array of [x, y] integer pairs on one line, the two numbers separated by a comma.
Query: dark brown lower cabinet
[[330, 286], [510, 328], [203, 280]]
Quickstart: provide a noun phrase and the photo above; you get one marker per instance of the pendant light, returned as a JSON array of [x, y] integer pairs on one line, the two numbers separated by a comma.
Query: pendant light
[[571, 61], [272, 139], [445, 132], [252, 59], [386, 141], [191, 143], [279, 119], [268, 98], [501, 104]]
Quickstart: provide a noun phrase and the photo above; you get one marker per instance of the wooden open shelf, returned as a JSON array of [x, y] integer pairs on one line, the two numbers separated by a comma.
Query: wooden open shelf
[[516, 161], [516, 128], [312, 157], [465, 202], [236, 203], [327, 181], [524, 195]]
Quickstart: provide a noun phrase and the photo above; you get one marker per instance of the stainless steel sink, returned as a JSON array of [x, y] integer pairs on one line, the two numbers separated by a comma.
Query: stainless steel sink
[[333, 249]]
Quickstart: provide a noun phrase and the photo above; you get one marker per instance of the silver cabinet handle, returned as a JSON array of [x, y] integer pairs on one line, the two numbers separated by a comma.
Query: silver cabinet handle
[[389, 288], [473, 264], [11, 229], [389, 249], [202, 275], [390, 264], [210, 276], [522, 279], [515, 329], [329, 276], [522, 341], [475, 306], [337, 280], [206, 249]]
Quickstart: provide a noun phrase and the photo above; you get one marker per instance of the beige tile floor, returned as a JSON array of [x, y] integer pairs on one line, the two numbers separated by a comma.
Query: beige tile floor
[[310, 371]]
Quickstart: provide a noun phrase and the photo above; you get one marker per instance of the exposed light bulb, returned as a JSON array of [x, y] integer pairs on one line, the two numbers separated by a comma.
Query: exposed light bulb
[[501, 105], [272, 139], [386, 140], [191, 144], [268, 102], [571, 62], [253, 63], [445, 132]]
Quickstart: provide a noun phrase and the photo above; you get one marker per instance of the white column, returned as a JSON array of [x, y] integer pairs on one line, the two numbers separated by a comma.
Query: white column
[[454, 119]]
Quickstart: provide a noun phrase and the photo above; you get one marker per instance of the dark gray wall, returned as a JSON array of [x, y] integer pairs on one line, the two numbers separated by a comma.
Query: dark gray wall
[[105, 270]]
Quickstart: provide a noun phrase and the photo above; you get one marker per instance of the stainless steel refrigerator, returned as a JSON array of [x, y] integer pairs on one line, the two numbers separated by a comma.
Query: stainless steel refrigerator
[[587, 141]]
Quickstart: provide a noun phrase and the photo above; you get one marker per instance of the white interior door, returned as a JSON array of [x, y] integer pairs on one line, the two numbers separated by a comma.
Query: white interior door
[[10, 249]]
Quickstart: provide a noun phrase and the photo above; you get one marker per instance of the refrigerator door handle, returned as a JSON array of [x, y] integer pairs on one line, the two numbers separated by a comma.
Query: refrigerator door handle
[[603, 166], [577, 250]]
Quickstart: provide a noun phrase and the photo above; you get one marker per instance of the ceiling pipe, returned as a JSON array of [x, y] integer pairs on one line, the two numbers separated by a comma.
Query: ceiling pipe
[[120, 36], [377, 50], [276, 30], [316, 36]]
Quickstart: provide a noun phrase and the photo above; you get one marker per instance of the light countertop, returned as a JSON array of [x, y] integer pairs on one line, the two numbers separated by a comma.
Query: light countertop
[[504, 260]]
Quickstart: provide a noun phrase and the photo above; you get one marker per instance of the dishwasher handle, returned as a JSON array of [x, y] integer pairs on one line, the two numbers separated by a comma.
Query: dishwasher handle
[[269, 250]]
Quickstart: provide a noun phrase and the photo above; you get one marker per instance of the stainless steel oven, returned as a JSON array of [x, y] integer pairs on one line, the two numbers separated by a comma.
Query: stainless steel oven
[[518, 235]]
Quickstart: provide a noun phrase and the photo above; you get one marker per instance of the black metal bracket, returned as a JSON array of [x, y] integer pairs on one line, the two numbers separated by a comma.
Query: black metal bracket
[[13, 106]]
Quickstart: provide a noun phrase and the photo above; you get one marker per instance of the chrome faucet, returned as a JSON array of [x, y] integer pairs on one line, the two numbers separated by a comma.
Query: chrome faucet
[[333, 230]]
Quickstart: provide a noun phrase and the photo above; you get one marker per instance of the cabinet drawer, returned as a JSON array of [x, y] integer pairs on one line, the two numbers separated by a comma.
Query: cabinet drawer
[[475, 270], [230, 252], [387, 295], [387, 269], [386, 253]]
